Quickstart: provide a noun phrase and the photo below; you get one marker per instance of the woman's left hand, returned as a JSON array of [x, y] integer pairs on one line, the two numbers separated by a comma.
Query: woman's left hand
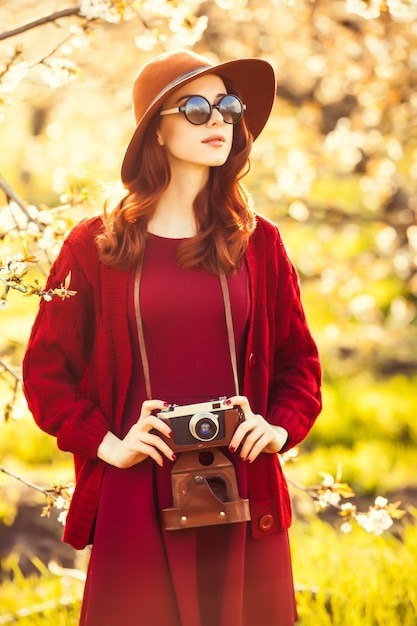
[[255, 434]]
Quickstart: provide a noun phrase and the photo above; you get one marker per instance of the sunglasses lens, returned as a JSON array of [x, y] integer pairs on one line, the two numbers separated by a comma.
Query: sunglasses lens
[[197, 110], [231, 109]]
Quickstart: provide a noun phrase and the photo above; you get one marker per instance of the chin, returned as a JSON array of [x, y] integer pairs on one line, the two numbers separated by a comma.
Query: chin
[[218, 162]]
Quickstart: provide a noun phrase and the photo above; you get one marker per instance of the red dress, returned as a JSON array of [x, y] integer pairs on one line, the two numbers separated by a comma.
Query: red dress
[[140, 574]]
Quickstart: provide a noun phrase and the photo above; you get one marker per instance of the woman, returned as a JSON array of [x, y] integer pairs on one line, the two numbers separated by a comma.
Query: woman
[[147, 329]]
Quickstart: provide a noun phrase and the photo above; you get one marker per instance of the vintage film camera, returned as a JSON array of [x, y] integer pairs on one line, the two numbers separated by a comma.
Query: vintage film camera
[[202, 425], [204, 484]]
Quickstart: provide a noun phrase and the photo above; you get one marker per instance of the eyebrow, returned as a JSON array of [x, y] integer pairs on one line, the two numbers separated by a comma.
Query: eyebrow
[[191, 95]]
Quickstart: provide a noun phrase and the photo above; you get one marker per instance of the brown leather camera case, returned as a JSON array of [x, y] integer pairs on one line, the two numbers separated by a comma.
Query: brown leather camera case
[[195, 478]]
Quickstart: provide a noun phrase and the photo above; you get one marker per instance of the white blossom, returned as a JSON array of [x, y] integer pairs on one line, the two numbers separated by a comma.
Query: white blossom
[[60, 502], [59, 73], [17, 268], [381, 502], [80, 38], [330, 497], [12, 217], [99, 9], [188, 29], [47, 240], [18, 409], [168, 8], [62, 517], [14, 75], [13, 268], [369, 10], [147, 41], [328, 480], [32, 229], [403, 10], [228, 5], [376, 521], [45, 217], [346, 528]]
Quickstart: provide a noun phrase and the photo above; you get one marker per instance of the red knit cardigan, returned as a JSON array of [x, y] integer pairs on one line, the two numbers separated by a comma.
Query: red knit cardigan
[[77, 367]]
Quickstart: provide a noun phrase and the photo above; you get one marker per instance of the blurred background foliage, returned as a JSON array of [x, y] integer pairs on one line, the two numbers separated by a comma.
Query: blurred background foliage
[[335, 168]]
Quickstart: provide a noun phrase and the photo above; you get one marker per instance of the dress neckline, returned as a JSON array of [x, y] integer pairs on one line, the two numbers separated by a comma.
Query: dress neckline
[[162, 238]]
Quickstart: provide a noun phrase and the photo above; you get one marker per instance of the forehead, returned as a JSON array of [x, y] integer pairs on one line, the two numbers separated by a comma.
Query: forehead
[[208, 85]]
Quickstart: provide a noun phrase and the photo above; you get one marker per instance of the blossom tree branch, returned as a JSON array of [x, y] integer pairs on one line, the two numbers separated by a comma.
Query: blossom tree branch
[[379, 517], [9, 370], [329, 494], [58, 496], [11, 408], [40, 21], [11, 194]]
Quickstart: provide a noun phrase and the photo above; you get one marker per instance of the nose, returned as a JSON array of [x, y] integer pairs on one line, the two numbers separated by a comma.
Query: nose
[[215, 117]]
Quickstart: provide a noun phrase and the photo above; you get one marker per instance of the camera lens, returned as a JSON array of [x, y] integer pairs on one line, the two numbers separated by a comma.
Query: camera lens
[[204, 426]]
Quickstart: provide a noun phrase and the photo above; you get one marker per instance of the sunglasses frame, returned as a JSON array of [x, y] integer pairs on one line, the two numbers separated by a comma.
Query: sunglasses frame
[[182, 109]]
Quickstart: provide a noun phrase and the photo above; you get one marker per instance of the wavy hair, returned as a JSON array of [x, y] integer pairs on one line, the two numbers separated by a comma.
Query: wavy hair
[[222, 209]]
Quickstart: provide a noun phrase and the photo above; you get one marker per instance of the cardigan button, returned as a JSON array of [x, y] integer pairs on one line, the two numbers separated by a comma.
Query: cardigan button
[[252, 360], [266, 522]]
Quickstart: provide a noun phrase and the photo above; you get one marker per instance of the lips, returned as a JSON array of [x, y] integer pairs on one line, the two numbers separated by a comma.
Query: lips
[[214, 140]]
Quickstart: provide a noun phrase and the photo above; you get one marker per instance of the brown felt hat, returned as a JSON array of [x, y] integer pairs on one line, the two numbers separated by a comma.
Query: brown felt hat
[[253, 78]]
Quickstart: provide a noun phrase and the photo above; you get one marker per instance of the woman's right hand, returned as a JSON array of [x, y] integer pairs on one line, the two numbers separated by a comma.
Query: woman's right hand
[[139, 443]]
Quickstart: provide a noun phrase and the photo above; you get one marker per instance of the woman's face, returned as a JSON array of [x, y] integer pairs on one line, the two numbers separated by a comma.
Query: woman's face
[[205, 145]]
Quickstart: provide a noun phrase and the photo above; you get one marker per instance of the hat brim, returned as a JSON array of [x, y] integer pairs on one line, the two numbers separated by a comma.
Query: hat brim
[[253, 78]]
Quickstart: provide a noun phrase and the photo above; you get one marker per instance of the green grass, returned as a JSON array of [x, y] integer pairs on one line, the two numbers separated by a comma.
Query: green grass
[[368, 428], [341, 580], [36, 600], [362, 408], [356, 579]]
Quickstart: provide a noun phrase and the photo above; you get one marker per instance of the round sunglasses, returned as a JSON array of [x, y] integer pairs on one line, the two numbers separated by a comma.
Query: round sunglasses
[[198, 109]]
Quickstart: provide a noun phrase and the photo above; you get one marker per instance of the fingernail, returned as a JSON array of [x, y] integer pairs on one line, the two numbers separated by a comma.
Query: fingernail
[[170, 434], [228, 402], [232, 449], [174, 457], [166, 404]]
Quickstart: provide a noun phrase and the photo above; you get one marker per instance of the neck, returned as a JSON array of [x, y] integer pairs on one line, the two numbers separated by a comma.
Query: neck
[[174, 213]]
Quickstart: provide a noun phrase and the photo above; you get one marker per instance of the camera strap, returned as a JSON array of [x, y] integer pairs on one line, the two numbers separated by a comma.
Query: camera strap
[[141, 336], [229, 324]]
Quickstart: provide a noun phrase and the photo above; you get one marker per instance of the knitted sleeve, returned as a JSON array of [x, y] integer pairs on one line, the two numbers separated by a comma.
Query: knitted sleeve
[[58, 353], [295, 387]]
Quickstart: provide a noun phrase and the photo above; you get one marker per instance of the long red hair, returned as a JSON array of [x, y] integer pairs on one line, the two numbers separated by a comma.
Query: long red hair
[[222, 209]]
